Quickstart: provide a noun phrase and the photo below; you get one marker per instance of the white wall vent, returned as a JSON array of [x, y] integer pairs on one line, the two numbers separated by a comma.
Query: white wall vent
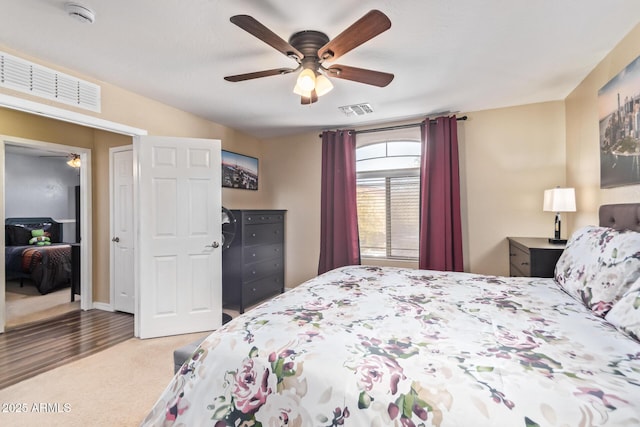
[[28, 77]]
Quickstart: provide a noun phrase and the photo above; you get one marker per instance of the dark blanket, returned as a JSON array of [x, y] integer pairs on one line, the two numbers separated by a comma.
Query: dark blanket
[[49, 267]]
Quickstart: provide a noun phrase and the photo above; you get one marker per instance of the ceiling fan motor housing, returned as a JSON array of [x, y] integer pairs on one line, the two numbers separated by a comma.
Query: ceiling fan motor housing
[[308, 42]]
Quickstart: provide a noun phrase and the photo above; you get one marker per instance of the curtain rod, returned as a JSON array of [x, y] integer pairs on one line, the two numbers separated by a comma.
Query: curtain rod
[[410, 125]]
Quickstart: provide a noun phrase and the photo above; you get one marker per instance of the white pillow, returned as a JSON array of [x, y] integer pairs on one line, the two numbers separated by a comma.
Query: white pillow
[[625, 314], [599, 265]]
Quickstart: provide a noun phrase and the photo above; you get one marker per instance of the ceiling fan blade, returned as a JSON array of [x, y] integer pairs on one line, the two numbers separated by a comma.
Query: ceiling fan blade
[[252, 26], [258, 74], [361, 75], [306, 100], [364, 29]]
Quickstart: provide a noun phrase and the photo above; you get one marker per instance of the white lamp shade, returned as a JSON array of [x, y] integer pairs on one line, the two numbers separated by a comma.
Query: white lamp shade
[[307, 80], [323, 85], [559, 200], [299, 91]]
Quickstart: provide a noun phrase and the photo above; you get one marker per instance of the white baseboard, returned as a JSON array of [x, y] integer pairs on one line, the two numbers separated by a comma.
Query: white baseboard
[[103, 306]]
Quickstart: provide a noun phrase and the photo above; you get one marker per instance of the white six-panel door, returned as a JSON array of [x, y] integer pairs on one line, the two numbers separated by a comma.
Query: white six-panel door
[[178, 257], [122, 238]]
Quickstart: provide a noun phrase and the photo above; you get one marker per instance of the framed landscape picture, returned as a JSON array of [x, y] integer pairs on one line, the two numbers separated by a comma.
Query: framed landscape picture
[[239, 171], [619, 116]]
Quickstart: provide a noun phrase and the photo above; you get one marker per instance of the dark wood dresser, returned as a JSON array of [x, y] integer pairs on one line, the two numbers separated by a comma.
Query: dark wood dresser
[[533, 256], [253, 266]]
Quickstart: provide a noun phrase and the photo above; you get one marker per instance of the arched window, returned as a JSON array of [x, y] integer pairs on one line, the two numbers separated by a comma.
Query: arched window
[[388, 190]]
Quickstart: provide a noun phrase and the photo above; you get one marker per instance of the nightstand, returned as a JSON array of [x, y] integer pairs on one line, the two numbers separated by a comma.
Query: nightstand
[[533, 256]]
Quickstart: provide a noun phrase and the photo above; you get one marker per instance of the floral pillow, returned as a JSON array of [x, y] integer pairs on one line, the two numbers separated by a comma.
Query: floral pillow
[[599, 265], [625, 314]]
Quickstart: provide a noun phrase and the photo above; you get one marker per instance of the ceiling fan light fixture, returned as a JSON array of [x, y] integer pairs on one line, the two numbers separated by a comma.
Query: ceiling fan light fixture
[[306, 80], [323, 85], [299, 91]]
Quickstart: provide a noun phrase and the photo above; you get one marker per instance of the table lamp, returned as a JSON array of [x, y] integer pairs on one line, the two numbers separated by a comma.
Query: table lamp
[[559, 200]]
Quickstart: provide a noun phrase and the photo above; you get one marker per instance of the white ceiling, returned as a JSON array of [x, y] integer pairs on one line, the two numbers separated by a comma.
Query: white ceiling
[[447, 56]]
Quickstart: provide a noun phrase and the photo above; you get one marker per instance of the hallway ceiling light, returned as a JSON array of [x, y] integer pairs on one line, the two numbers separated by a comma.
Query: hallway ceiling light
[[74, 160]]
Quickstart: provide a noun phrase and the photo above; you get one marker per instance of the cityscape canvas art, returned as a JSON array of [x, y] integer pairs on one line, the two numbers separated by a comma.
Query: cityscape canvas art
[[619, 115], [239, 171]]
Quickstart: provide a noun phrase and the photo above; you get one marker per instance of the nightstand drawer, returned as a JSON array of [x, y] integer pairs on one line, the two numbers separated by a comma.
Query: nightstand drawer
[[519, 262], [533, 256]]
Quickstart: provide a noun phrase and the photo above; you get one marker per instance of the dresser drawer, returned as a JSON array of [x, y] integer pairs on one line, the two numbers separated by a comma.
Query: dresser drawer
[[260, 289], [263, 218], [263, 234], [520, 262], [260, 253], [261, 269]]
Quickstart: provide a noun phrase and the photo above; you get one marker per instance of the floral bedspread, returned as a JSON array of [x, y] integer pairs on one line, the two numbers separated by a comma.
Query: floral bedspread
[[369, 346]]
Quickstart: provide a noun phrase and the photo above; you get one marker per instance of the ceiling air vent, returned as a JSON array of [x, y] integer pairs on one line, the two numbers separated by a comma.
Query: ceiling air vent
[[356, 109], [28, 77]]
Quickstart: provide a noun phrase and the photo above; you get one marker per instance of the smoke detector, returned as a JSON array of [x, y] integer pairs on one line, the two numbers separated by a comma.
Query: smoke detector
[[80, 13]]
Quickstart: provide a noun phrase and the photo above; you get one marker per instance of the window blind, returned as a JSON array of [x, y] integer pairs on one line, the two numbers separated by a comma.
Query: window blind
[[388, 216]]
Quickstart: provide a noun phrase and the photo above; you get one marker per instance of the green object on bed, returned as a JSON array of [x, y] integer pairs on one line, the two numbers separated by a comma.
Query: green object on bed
[[39, 238]]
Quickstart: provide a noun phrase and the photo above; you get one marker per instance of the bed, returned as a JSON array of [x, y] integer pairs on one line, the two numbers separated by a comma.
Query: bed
[[48, 264], [371, 346]]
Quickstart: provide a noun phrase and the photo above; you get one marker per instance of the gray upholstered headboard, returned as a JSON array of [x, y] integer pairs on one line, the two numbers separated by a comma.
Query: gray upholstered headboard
[[620, 216]]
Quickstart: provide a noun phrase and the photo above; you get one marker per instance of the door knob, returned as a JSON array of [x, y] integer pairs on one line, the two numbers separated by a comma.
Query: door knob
[[115, 239], [213, 245]]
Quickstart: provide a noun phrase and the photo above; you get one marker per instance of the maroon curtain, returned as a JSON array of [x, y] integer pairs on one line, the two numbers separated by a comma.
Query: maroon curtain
[[339, 242], [440, 225]]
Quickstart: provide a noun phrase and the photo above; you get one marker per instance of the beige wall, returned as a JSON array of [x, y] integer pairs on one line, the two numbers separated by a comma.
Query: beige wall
[[509, 156], [583, 155], [292, 168]]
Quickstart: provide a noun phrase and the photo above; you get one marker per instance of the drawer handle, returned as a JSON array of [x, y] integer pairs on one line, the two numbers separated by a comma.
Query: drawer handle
[[253, 234], [524, 263], [253, 254], [253, 272], [512, 254]]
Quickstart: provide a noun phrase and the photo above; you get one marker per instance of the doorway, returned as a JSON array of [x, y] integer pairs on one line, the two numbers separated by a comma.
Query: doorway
[[40, 183], [39, 150]]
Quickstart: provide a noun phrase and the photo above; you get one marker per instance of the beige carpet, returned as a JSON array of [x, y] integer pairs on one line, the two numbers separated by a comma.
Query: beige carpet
[[25, 304], [116, 387]]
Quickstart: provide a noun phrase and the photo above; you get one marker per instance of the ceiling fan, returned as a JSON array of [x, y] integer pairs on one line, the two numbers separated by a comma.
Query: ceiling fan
[[310, 49]]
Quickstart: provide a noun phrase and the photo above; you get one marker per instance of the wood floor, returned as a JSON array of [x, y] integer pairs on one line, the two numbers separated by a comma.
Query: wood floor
[[28, 350]]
